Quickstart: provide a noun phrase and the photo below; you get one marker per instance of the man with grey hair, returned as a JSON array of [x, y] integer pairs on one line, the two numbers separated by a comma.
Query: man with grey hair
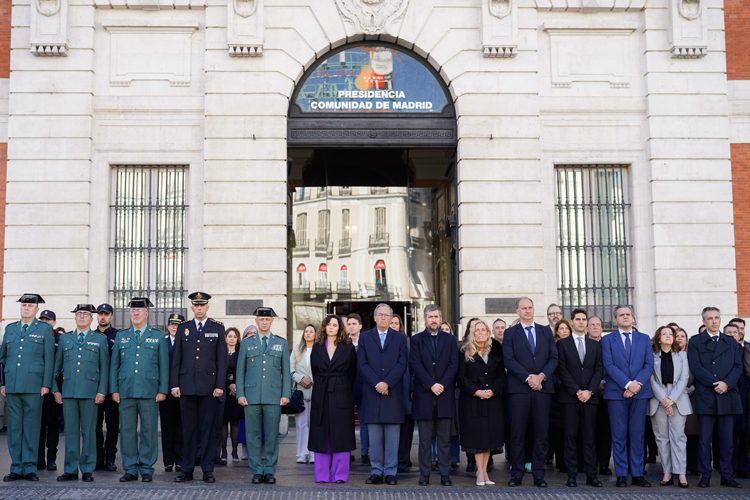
[[434, 362], [382, 361]]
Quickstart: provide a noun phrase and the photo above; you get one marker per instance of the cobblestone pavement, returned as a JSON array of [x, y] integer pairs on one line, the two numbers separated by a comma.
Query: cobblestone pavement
[[296, 482]]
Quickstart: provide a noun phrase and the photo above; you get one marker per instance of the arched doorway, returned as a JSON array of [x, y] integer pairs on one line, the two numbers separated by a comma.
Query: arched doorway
[[372, 139]]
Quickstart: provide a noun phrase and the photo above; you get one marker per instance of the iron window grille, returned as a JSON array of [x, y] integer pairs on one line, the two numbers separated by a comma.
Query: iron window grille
[[148, 239], [593, 220]]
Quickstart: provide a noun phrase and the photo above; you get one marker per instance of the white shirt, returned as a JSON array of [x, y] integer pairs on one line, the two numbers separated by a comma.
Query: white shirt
[[200, 324], [533, 332], [622, 337]]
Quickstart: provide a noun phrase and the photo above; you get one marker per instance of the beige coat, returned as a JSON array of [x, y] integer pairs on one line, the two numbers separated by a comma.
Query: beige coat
[[301, 370]]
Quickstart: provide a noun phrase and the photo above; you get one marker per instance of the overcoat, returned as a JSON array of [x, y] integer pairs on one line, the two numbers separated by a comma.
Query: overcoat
[[428, 368], [713, 362], [382, 364]]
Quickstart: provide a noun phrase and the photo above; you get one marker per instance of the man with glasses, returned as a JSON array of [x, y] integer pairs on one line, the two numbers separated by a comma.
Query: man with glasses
[[109, 411], [382, 362], [83, 361], [554, 314], [139, 381], [28, 375]]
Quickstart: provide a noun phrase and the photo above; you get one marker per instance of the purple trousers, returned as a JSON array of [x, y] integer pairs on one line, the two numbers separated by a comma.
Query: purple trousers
[[331, 467]]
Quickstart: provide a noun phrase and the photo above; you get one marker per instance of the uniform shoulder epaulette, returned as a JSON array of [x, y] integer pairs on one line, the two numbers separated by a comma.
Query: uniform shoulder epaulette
[[14, 323], [216, 321], [186, 321]]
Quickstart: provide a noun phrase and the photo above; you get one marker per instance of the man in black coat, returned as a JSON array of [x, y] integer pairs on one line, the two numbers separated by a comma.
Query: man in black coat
[[580, 369], [530, 357], [433, 361], [199, 374], [109, 411], [716, 365]]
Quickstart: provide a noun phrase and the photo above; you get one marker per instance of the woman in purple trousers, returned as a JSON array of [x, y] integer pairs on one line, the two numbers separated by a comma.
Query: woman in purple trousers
[[333, 362]]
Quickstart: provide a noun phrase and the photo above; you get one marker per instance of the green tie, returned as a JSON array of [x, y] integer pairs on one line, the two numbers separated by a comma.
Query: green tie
[[24, 328], [265, 343], [138, 336], [80, 338]]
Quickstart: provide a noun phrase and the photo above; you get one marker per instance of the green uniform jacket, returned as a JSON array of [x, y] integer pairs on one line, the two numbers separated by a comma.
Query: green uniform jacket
[[263, 377], [85, 368], [29, 359], [139, 369]]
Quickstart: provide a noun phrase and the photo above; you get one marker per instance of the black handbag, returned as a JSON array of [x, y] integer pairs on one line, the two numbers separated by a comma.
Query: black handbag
[[296, 403]]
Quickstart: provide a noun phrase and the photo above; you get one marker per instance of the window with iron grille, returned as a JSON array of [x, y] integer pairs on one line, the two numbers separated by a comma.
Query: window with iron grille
[[148, 238], [380, 222], [301, 233], [593, 223], [324, 230]]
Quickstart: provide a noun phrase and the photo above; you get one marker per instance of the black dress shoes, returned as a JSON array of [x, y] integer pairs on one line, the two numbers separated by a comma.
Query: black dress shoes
[[571, 482], [374, 479], [168, 468], [670, 482], [51, 465], [424, 480], [622, 481], [68, 477], [12, 477], [220, 461], [539, 482], [31, 477], [446, 481], [257, 479], [605, 471], [594, 481], [390, 480], [209, 478], [185, 476], [365, 459], [88, 477], [269, 479], [730, 482], [471, 463], [111, 467], [177, 468], [146, 478], [515, 481], [640, 481], [127, 477], [705, 482]]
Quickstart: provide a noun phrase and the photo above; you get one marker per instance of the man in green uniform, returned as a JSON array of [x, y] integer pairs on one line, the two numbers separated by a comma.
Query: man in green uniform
[[263, 387], [139, 381], [83, 359], [28, 377]]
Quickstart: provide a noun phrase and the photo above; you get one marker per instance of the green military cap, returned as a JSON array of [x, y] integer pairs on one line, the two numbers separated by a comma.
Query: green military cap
[[31, 298], [140, 302], [85, 307], [199, 298], [265, 311], [176, 318]]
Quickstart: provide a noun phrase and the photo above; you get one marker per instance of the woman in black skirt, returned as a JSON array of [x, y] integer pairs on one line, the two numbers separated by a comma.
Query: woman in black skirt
[[232, 409], [481, 374]]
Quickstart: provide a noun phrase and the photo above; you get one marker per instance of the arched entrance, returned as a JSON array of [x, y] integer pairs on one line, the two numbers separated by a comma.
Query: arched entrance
[[372, 139]]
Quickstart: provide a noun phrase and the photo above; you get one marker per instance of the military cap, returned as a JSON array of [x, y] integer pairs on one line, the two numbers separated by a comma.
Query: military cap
[[265, 311], [105, 308], [140, 302], [48, 315], [89, 308], [176, 318], [199, 298], [31, 298]]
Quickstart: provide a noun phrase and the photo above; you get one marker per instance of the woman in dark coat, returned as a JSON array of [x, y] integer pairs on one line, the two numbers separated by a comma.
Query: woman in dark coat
[[232, 409], [334, 367], [481, 374]]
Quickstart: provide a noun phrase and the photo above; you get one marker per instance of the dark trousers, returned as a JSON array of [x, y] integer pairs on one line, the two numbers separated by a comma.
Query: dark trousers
[[171, 431], [106, 447], [441, 429], [405, 440], [692, 453], [580, 418], [740, 460], [198, 431], [219, 422], [725, 425], [530, 408], [603, 436], [49, 436], [649, 445]]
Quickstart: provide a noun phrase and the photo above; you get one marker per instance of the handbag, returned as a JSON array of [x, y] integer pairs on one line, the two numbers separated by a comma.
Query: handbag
[[296, 403]]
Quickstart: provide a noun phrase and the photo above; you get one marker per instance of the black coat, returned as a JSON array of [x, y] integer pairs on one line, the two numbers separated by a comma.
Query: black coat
[[713, 362], [481, 420], [575, 376], [429, 369], [332, 405], [199, 361]]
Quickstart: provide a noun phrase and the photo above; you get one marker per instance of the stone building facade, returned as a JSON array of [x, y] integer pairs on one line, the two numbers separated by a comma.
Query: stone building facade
[[551, 98]]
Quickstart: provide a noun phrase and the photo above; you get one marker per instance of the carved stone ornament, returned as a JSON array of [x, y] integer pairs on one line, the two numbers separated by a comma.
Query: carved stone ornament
[[245, 8], [500, 8], [373, 17], [500, 28], [245, 28], [48, 23], [688, 29], [690, 9], [48, 7]]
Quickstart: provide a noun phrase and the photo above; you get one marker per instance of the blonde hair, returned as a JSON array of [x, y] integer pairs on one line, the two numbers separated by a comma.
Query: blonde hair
[[471, 347]]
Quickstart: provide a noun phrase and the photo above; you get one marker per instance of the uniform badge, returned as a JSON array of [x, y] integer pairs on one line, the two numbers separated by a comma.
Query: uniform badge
[[277, 347], [93, 343], [187, 331], [210, 335]]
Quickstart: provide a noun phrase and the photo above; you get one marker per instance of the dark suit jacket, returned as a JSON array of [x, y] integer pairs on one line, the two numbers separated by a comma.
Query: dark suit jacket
[[382, 365], [619, 369], [746, 368], [199, 361], [521, 362], [713, 362], [576, 376], [429, 368]]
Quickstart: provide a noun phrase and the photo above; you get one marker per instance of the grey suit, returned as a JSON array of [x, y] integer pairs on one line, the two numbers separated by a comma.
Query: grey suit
[[670, 431]]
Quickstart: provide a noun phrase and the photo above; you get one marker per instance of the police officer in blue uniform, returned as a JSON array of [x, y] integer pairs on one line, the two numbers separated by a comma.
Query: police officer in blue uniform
[[109, 411], [139, 381], [83, 361], [28, 352], [49, 435], [199, 373]]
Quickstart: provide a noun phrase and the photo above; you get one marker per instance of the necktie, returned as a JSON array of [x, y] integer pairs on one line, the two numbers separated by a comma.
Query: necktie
[[434, 342], [581, 353], [628, 344], [531, 340], [265, 343], [382, 340], [23, 329], [138, 336], [80, 338], [200, 327]]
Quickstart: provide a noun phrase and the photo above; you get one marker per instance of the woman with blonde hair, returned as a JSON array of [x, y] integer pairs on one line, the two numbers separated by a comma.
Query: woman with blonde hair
[[299, 364], [481, 374]]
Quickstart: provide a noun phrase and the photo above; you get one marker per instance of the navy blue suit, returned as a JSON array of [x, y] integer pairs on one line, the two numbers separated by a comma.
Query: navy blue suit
[[627, 416], [713, 361], [171, 423], [527, 405]]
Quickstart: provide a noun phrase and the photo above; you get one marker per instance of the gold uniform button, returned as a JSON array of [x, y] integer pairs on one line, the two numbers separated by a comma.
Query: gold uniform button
[[79, 355], [199, 341], [198, 349], [19, 355], [264, 364], [264, 376], [19, 364], [79, 362], [80, 348], [135, 363], [78, 371], [138, 347], [137, 355], [21, 347], [197, 357], [136, 371]]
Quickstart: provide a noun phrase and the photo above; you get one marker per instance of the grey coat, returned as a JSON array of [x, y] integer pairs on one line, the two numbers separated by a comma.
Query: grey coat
[[676, 391]]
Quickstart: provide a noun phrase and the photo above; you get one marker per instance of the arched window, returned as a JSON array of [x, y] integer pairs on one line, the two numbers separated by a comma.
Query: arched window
[[301, 275], [380, 281], [322, 277]]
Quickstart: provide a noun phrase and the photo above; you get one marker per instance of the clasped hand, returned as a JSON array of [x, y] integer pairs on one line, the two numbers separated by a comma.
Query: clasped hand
[[437, 389], [721, 387], [583, 396], [382, 388], [484, 394], [535, 382]]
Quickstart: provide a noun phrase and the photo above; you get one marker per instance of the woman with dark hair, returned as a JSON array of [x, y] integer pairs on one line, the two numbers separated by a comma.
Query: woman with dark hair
[[333, 362], [232, 409], [299, 364]]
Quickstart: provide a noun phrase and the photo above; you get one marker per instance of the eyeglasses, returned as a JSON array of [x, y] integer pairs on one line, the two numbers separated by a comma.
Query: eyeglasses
[[555, 314], [137, 311], [81, 314], [383, 315]]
